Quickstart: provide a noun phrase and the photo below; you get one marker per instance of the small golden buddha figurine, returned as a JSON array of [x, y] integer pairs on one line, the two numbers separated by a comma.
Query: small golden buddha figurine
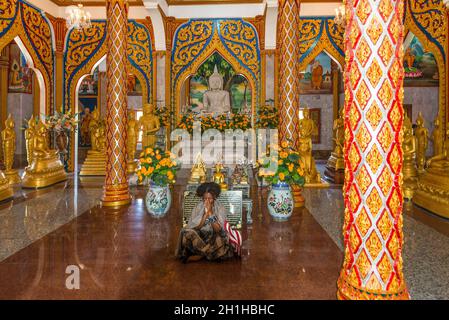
[[437, 137], [150, 125], [219, 177], [131, 141], [422, 136], [198, 173], [306, 128], [95, 163], [29, 135], [46, 168], [9, 150], [409, 169], [239, 176]]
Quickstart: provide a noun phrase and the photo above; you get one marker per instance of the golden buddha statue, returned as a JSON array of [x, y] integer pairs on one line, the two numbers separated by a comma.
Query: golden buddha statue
[[150, 125], [409, 169], [29, 135], [9, 150], [46, 168], [422, 136], [432, 192], [437, 137], [198, 172], [336, 164], [219, 177], [95, 163], [306, 128], [131, 141]]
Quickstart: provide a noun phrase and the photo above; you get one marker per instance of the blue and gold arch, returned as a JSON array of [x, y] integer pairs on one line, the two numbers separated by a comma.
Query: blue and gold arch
[[194, 41], [427, 20], [23, 20], [318, 34], [84, 49]]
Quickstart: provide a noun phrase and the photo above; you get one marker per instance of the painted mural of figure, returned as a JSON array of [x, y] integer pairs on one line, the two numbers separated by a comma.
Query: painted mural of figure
[[85, 121], [317, 75], [15, 78], [409, 58]]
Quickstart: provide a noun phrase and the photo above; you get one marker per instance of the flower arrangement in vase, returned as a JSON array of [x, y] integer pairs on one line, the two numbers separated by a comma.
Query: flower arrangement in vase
[[62, 124], [282, 172], [159, 168]]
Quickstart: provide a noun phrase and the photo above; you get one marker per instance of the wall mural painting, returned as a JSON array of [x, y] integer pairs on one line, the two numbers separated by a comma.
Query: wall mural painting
[[89, 85], [237, 85], [421, 69], [317, 78], [134, 86], [20, 74], [86, 106]]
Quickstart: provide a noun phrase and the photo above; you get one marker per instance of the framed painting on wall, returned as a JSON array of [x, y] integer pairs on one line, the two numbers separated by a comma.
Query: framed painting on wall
[[317, 77], [20, 75]]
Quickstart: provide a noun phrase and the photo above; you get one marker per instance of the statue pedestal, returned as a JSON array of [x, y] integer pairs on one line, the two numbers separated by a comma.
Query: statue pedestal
[[94, 165], [13, 176], [335, 169], [43, 173], [6, 191], [432, 192], [131, 166]]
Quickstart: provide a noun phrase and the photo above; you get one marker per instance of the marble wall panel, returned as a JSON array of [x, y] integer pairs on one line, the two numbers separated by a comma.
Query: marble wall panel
[[20, 105]]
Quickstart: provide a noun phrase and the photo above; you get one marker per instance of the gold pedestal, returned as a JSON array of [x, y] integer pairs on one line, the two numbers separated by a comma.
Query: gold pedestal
[[432, 192], [131, 166], [6, 191], [335, 169], [13, 176], [297, 196], [44, 172], [94, 165], [410, 175]]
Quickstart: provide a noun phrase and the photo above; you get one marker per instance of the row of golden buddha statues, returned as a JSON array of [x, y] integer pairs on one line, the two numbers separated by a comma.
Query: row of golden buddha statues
[[148, 124], [44, 167]]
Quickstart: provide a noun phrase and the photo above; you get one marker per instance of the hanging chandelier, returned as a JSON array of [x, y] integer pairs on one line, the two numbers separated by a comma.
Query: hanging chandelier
[[446, 3], [340, 15], [77, 17]]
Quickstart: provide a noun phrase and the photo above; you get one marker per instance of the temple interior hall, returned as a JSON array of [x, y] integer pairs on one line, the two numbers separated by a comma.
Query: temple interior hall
[[224, 149]]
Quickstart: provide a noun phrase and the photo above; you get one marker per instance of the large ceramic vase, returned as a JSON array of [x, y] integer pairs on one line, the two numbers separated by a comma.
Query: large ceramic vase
[[62, 140], [280, 201], [158, 200]]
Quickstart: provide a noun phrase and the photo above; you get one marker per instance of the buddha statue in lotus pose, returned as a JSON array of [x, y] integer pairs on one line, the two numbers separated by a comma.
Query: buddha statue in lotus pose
[[409, 169], [219, 177], [216, 100], [198, 172], [46, 168], [306, 128], [422, 136], [9, 150], [440, 161], [149, 124]]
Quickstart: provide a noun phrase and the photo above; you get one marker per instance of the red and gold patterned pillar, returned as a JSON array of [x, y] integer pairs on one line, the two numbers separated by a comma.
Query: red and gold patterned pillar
[[372, 267], [116, 190], [288, 45]]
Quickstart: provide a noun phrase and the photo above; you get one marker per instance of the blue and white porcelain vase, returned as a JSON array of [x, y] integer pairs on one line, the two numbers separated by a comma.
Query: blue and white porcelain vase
[[158, 200], [280, 201]]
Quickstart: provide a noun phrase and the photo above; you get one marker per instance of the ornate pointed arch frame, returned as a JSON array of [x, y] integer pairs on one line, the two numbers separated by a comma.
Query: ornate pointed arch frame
[[320, 34], [23, 20], [85, 48], [196, 40], [428, 21]]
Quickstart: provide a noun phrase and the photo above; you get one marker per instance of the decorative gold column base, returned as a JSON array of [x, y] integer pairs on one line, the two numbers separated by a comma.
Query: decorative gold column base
[[94, 165], [298, 197], [43, 173], [13, 177], [432, 192], [131, 166], [116, 196], [6, 191], [346, 291]]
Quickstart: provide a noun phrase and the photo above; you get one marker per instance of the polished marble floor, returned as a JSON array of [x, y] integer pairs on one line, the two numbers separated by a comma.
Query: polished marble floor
[[127, 254]]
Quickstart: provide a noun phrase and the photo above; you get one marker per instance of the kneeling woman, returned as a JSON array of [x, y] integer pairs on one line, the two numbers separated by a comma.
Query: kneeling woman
[[205, 235]]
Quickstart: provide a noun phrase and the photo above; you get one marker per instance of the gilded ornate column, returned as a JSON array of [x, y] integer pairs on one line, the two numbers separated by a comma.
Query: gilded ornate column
[[288, 45], [4, 65], [116, 190], [60, 28], [373, 238]]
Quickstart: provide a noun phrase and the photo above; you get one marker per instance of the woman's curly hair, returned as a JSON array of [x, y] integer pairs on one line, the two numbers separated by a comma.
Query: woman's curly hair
[[208, 187]]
